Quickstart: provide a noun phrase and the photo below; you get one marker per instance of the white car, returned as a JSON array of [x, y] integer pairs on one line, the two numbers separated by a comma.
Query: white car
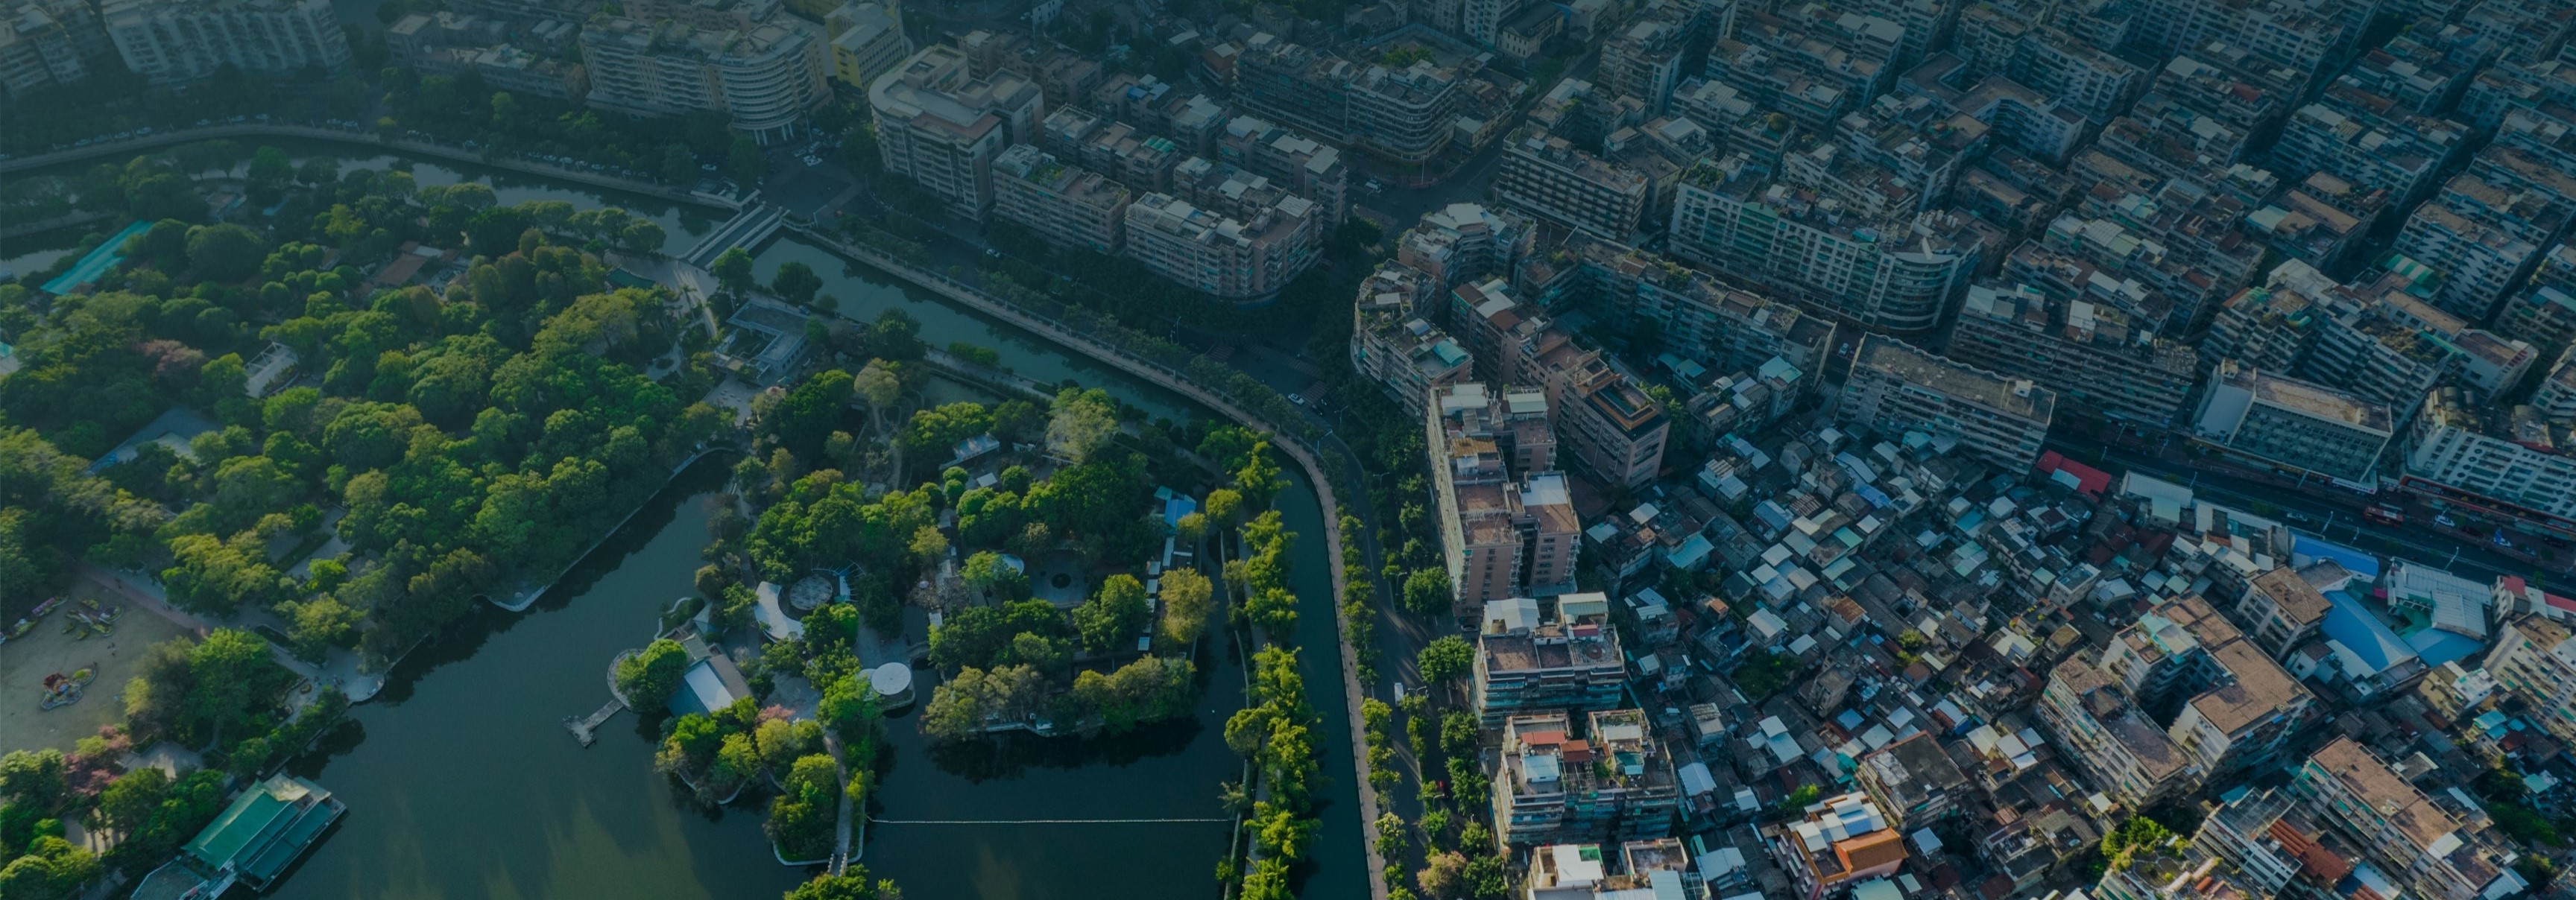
[[1299, 399]]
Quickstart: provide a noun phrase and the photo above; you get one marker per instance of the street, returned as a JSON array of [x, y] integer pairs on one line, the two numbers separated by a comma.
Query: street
[[2415, 542]]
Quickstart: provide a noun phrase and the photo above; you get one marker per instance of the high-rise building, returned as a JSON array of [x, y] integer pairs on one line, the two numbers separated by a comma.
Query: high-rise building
[[763, 78], [2296, 426], [1070, 206], [2225, 704], [1615, 783], [1528, 664], [1897, 274], [171, 41], [2282, 608], [2093, 355], [2370, 141], [942, 127], [1703, 320], [1506, 518], [1895, 388]]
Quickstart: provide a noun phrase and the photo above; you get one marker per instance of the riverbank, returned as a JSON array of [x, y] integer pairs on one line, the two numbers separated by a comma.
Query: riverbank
[[447, 152]]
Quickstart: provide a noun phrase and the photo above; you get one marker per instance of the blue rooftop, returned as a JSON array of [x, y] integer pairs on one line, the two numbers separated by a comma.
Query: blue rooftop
[[2351, 624], [2306, 548]]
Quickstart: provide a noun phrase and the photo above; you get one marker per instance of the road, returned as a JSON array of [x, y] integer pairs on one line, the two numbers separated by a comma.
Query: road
[[2332, 522]]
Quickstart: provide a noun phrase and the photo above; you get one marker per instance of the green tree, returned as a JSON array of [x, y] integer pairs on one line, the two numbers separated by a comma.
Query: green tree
[[746, 163], [732, 269], [649, 678], [52, 868], [1445, 659], [851, 884], [796, 282], [1259, 480], [1080, 423], [226, 253], [38, 778], [1110, 620], [679, 166], [1427, 591], [1187, 603]]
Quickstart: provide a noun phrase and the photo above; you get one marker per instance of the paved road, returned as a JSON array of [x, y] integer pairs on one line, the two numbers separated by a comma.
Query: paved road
[[2330, 521]]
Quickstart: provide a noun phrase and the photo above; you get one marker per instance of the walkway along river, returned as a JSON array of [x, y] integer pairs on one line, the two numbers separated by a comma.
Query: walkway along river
[[462, 785]]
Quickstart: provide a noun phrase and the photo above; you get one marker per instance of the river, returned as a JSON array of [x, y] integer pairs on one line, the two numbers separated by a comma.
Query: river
[[462, 782]]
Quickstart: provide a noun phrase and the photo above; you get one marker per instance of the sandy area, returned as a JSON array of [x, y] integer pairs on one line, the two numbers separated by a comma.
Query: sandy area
[[24, 663]]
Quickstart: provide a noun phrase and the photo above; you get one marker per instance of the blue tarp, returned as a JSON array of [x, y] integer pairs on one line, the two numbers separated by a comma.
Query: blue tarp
[[2436, 646]]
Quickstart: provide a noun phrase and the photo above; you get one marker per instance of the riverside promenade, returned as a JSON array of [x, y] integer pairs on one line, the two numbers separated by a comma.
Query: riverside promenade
[[1177, 382]]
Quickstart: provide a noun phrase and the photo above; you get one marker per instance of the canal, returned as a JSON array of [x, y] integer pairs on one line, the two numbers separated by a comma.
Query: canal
[[462, 782]]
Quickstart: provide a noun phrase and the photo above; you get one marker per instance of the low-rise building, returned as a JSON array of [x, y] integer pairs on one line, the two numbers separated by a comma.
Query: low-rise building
[[1895, 388], [867, 41], [1835, 843], [2510, 463]]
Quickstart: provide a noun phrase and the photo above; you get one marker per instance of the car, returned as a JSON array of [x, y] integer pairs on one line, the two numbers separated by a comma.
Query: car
[[262, 117], [996, 254], [201, 123], [2444, 520], [706, 167], [1299, 399], [83, 142], [122, 135]]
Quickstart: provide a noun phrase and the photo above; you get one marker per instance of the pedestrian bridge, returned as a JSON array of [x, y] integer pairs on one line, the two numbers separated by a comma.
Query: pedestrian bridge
[[746, 230]]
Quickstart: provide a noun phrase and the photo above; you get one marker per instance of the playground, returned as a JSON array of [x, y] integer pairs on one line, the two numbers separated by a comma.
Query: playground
[[47, 649]]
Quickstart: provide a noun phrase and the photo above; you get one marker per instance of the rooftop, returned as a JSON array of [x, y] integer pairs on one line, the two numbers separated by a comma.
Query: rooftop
[[1901, 361]]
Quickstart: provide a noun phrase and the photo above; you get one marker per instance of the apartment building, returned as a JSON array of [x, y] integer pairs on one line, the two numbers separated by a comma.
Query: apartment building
[[1836, 842], [1305, 166], [1613, 783], [1913, 780], [2079, 74], [1240, 259], [2122, 751], [2543, 311], [1068, 205], [867, 40], [2368, 140], [1895, 275], [2288, 32], [2477, 260], [1403, 116], [2298, 427], [2236, 706], [2320, 221], [2412, 837], [2513, 463], [1464, 243], [1529, 664], [1895, 388], [1616, 432], [47, 43], [1703, 320], [2095, 356], [2535, 659], [1643, 59], [2265, 327], [1506, 517], [942, 127], [1393, 340], [171, 41], [764, 78], [1550, 177], [2282, 609]]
